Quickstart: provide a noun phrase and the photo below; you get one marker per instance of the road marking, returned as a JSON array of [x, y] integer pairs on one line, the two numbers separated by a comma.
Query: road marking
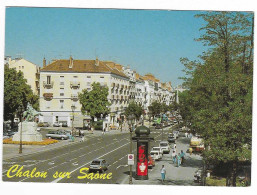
[[121, 166], [59, 179], [115, 162]]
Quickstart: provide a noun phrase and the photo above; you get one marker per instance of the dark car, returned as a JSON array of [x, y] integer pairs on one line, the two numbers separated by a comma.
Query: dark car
[[171, 139]]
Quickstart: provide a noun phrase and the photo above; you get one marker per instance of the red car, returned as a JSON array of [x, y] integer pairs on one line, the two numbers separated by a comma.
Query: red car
[[151, 162]]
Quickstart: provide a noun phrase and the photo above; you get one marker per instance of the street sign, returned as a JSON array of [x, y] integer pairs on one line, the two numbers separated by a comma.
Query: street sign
[[131, 159]]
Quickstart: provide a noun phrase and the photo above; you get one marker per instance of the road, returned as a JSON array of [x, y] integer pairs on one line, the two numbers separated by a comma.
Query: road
[[74, 157]]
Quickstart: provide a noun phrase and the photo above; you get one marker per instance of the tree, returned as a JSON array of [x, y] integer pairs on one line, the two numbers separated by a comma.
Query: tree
[[219, 101], [155, 108], [94, 102], [16, 92], [135, 109]]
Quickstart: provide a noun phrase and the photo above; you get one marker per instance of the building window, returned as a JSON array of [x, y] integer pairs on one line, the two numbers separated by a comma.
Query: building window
[[61, 91], [22, 67], [61, 104], [88, 76], [102, 77], [61, 80], [48, 81]]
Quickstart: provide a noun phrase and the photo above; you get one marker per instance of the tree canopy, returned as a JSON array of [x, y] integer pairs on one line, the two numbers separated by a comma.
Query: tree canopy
[[135, 109], [16, 92], [218, 103], [94, 102]]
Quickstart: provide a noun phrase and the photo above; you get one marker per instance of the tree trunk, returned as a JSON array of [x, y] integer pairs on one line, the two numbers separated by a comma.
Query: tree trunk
[[234, 173]]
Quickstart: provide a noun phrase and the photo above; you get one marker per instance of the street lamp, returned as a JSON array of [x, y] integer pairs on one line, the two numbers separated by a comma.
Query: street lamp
[[72, 108], [20, 110], [131, 119], [149, 115]]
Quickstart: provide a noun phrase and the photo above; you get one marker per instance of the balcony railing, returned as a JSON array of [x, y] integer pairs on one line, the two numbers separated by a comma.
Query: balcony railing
[[48, 85], [74, 84], [48, 96], [74, 97]]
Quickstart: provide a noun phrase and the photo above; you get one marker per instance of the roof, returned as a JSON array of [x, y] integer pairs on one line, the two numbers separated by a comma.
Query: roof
[[80, 66]]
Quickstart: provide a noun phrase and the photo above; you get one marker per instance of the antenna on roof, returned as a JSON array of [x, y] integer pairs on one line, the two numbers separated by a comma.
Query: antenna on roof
[[19, 55]]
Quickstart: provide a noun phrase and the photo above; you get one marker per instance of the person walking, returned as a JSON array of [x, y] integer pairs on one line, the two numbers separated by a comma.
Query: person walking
[[178, 159], [190, 151], [163, 173], [83, 138], [182, 155], [175, 147], [104, 129], [173, 157]]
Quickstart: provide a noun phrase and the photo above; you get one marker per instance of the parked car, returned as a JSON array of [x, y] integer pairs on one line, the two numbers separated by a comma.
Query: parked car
[[151, 162], [164, 145], [158, 126], [98, 165], [155, 155], [5, 136], [57, 135], [43, 124], [64, 124], [158, 149], [56, 124]]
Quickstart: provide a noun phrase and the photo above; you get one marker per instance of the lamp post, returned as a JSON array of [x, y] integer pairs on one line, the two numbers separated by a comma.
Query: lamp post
[[162, 125], [130, 123], [20, 110], [149, 115], [72, 108]]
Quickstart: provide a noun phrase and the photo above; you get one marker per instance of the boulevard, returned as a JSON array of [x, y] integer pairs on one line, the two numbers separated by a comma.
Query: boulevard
[[64, 164]]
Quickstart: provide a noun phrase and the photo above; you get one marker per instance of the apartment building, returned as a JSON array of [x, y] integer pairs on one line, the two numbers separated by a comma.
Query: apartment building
[[29, 69], [62, 80]]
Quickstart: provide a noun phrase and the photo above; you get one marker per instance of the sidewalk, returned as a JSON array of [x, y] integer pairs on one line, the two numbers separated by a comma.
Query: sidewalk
[[12, 150], [183, 175]]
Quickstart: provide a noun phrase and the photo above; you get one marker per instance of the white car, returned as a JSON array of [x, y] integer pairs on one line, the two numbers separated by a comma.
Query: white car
[[155, 155], [164, 145], [158, 149]]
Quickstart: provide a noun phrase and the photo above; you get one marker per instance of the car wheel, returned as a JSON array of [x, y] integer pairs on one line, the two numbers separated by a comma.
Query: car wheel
[[49, 138], [62, 138]]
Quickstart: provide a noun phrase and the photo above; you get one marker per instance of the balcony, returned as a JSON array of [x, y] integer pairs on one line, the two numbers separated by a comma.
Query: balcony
[[74, 97], [48, 96], [48, 85], [74, 84]]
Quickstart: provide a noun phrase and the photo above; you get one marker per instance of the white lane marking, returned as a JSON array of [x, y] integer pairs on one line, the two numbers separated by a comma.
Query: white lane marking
[[121, 166], [59, 179], [66, 162], [115, 162]]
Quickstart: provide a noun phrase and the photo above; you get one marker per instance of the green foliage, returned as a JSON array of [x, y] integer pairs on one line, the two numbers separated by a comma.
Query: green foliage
[[16, 92], [155, 108], [94, 102], [135, 109], [218, 103]]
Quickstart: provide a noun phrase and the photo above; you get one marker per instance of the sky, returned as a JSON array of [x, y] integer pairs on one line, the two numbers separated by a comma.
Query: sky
[[149, 41]]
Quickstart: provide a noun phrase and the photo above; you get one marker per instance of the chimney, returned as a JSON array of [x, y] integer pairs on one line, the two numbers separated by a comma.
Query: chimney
[[44, 62], [71, 62], [96, 61]]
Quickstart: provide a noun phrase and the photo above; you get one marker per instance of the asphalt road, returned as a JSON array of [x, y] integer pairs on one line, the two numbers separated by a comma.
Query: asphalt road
[[73, 157]]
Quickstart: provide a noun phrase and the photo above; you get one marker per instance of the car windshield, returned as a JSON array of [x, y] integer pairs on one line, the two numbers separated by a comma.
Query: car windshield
[[95, 162], [163, 144], [153, 153], [157, 149]]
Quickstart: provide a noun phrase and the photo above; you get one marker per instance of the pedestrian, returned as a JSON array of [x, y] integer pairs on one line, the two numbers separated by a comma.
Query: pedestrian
[[186, 134], [104, 129], [163, 173], [83, 138], [182, 155], [178, 159], [173, 157]]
